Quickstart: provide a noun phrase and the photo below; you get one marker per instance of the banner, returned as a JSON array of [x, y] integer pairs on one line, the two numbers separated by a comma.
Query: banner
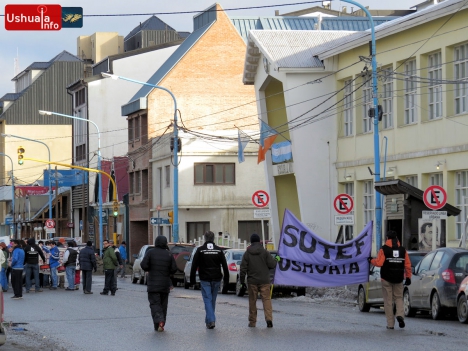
[[309, 260]]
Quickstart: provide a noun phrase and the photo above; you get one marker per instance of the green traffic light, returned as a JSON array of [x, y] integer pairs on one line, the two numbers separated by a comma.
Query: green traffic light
[[116, 213], [20, 162]]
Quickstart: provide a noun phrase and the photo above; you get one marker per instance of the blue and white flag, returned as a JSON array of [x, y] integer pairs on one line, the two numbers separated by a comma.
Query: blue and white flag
[[242, 141], [281, 152], [309, 260]]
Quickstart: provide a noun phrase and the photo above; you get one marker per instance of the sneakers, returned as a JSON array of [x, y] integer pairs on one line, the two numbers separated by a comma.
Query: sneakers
[[87, 292], [251, 325], [390, 327], [113, 294], [53, 288], [103, 293], [269, 324], [68, 289], [401, 321], [210, 325], [16, 297], [161, 326]]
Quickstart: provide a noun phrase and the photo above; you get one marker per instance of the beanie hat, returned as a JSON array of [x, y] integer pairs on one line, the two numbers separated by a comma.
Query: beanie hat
[[254, 238], [391, 234], [89, 243]]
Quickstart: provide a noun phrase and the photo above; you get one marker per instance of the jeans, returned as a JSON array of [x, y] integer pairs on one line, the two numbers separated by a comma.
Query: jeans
[[109, 283], [87, 280], [32, 268], [121, 270], [70, 273], [209, 292], [3, 279], [53, 275]]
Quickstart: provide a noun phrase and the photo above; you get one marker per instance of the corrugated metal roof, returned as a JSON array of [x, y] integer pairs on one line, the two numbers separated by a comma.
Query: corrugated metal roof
[[295, 49], [11, 96], [38, 65], [138, 101], [152, 23], [183, 35], [65, 56]]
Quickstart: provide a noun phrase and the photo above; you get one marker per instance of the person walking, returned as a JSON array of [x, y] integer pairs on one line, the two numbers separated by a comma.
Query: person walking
[[208, 260], [87, 264], [119, 266], [17, 267], [3, 276], [110, 262], [69, 261], [396, 265], [256, 264], [123, 256], [160, 264], [54, 262], [32, 253]]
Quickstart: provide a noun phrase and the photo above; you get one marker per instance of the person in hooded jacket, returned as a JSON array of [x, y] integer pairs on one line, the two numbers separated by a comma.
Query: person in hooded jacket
[[256, 264], [396, 265], [17, 266], [208, 259], [69, 261], [31, 259], [160, 264], [87, 264], [54, 262]]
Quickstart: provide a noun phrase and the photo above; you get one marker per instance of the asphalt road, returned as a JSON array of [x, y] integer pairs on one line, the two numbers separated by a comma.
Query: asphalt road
[[62, 320]]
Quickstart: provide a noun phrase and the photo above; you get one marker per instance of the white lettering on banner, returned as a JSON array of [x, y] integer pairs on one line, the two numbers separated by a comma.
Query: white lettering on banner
[[434, 214]]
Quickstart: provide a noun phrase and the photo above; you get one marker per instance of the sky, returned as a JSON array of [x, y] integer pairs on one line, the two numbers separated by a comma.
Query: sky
[[41, 46]]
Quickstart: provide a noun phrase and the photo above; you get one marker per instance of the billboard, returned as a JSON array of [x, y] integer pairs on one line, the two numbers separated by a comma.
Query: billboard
[[66, 177]]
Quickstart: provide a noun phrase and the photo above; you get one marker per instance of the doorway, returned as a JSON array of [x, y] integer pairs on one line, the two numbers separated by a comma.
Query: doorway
[[397, 226]]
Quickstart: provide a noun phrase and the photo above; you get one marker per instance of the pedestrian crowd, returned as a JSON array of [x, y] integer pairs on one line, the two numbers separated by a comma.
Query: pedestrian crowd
[[50, 263]]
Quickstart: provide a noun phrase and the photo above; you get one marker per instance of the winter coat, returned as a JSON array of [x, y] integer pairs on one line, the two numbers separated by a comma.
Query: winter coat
[[2, 261], [17, 259], [6, 255], [209, 259], [87, 259], [160, 264], [32, 253], [123, 252], [110, 260], [70, 257], [256, 264], [54, 258], [381, 260]]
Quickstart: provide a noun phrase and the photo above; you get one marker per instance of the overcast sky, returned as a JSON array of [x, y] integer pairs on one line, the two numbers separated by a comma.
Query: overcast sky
[[35, 46]]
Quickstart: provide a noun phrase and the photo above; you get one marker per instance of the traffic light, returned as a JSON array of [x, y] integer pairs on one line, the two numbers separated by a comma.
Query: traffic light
[[179, 144], [20, 155], [115, 208], [171, 216]]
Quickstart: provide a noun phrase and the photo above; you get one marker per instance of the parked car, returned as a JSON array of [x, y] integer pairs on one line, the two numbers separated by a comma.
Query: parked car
[[370, 294], [234, 259], [462, 304], [188, 267], [283, 289], [435, 282], [178, 250]]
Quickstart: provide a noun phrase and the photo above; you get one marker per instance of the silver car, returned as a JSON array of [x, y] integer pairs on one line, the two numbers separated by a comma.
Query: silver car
[[138, 275], [234, 259]]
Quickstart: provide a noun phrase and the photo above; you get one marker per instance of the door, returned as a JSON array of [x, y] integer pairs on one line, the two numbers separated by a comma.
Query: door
[[419, 276], [397, 226], [430, 278], [247, 228], [375, 286]]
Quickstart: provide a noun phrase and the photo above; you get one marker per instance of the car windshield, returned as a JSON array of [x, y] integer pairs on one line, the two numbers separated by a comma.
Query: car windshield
[[177, 249], [237, 256]]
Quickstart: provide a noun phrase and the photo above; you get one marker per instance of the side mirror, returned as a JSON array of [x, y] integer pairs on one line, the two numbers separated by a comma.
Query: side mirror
[[135, 256], [186, 257]]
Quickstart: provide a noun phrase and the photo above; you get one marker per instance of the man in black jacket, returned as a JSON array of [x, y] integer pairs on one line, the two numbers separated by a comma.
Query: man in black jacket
[[31, 260], [209, 259], [160, 264], [87, 264]]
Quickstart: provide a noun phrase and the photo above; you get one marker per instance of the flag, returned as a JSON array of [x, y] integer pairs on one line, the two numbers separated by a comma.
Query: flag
[[281, 152], [267, 138], [242, 141]]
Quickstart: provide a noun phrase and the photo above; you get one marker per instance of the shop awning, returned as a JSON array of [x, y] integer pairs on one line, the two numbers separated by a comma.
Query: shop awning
[[394, 187]]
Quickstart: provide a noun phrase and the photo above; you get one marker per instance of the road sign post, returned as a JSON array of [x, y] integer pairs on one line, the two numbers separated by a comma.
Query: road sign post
[[343, 204], [435, 197], [260, 199]]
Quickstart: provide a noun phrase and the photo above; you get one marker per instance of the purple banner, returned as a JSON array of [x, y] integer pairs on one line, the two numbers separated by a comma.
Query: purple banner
[[309, 260]]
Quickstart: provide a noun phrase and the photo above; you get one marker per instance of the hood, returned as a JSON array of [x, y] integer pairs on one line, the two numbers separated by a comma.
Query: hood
[[255, 248], [31, 241], [389, 243], [161, 241]]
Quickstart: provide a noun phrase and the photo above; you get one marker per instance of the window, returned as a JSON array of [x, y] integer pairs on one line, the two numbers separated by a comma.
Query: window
[[436, 262], [387, 99], [425, 263], [130, 130], [80, 97], [167, 170], [131, 181], [437, 179], [368, 201], [136, 128], [214, 173], [144, 184], [196, 230], [461, 192], [367, 103], [349, 189], [461, 74], [410, 92], [80, 152], [138, 182], [435, 86], [348, 108], [412, 180]]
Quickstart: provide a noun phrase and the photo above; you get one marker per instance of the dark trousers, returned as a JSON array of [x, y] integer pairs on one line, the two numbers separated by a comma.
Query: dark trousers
[[158, 305], [109, 283], [87, 279], [17, 281]]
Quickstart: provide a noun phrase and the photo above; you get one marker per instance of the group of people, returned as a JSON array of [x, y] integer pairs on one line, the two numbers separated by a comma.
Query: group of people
[[43, 262], [208, 261]]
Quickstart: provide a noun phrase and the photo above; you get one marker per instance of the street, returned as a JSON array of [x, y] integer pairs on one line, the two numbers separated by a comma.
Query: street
[[62, 320]]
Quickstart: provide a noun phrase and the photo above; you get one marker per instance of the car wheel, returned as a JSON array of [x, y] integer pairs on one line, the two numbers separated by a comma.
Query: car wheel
[[409, 312], [462, 309], [436, 308], [186, 283], [363, 306], [239, 290], [134, 280]]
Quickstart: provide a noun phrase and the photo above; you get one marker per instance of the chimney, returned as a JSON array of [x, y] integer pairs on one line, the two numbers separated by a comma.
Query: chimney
[[277, 13]]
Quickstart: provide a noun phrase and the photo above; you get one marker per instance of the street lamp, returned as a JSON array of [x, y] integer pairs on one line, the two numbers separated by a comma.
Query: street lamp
[[12, 194], [48, 150], [48, 113], [378, 205], [175, 225]]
